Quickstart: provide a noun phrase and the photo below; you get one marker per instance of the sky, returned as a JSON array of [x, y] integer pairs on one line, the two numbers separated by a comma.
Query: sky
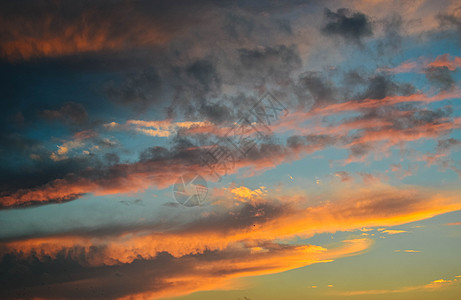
[[235, 150]]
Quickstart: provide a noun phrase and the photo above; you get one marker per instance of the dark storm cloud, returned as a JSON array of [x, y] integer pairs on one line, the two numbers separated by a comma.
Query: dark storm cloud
[[237, 26], [319, 88], [391, 43], [440, 77], [111, 158], [312, 143], [171, 88], [199, 80], [449, 21], [30, 277], [139, 90], [360, 150], [230, 220], [352, 26], [64, 184], [216, 112], [323, 89], [447, 144], [420, 117], [69, 112], [353, 85], [381, 86], [15, 149], [33, 173], [408, 121], [354, 78], [193, 87], [243, 25], [270, 63]]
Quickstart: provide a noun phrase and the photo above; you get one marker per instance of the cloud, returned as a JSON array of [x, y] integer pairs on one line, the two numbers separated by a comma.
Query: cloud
[[393, 37], [438, 72], [386, 101], [78, 141], [179, 89], [444, 61], [321, 89], [450, 20], [187, 78], [432, 286], [352, 26], [71, 112], [269, 63], [164, 128], [377, 131], [454, 224], [441, 156], [440, 77], [393, 232], [279, 217], [49, 29], [140, 89], [245, 193], [166, 276], [344, 176], [233, 241], [374, 129]]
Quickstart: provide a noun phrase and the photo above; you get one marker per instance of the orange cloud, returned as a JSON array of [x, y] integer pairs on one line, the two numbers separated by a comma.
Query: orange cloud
[[276, 259], [386, 101], [45, 33], [432, 286], [392, 232], [128, 178], [163, 128], [351, 208], [240, 240], [454, 224], [190, 273], [245, 193]]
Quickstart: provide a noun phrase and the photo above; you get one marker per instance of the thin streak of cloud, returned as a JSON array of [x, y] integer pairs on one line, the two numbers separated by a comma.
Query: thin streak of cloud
[[432, 286]]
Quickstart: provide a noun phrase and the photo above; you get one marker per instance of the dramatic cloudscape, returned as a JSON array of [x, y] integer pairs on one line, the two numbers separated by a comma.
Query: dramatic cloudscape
[[235, 150]]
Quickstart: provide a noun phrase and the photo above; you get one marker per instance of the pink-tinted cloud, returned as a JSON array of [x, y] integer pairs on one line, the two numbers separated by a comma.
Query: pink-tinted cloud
[[419, 65]]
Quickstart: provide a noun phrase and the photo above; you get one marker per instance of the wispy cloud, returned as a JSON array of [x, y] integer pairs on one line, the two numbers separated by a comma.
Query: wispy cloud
[[393, 231], [422, 63], [453, 224], [432, 286]]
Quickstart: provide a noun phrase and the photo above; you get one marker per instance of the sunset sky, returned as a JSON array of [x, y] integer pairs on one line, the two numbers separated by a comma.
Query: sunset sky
[[319, 143]]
